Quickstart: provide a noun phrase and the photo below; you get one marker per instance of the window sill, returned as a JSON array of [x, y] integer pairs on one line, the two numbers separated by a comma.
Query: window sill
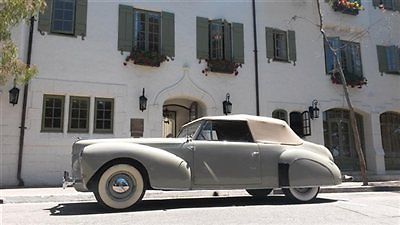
[[280, 60]]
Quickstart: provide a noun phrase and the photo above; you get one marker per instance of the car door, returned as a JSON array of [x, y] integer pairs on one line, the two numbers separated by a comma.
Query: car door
[[224, 154]]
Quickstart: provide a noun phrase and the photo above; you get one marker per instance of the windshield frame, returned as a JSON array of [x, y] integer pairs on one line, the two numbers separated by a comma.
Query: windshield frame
[[183, 134]]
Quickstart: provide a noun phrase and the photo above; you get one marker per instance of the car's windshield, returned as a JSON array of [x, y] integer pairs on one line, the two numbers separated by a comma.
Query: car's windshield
[[189, 130]]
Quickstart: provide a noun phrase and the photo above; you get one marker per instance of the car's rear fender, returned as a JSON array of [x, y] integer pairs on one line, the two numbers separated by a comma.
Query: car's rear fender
[[165, 170], [303, 168]]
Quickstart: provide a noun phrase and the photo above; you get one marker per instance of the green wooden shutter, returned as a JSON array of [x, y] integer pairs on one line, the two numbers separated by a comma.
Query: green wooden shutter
[[382, 60], [292, 46], [238, 43], [125, 28], [168, 34], [396, 5], [227, 41], [375, 3], [202, 38], [269, 36], [397, 58], [81, 17], [44, 24]]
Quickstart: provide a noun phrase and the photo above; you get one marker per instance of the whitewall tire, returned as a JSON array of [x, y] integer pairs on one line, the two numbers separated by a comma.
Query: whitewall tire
[[120, 186], [301, 194]]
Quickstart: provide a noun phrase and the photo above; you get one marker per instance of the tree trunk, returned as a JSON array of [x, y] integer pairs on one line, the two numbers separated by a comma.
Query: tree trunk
[[353, 121]]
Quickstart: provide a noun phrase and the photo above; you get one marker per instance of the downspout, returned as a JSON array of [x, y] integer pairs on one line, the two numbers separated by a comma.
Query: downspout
[[256, 57], [24, 102]]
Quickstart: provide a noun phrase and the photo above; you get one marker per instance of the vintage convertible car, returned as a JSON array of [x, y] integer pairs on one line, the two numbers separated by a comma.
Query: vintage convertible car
[[221, 152]]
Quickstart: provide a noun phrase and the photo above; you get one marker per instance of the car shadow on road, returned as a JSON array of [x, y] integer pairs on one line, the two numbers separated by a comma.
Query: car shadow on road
[[88, 208]]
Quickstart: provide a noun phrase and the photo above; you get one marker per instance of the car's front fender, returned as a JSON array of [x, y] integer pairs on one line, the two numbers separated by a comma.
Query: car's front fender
[[305, 168], [165, 170]]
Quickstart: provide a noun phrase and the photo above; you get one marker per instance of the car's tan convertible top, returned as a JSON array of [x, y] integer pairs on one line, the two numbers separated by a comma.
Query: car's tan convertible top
[[265, 129]]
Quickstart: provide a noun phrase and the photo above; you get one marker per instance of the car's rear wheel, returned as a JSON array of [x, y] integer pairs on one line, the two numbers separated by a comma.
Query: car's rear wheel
[[301, 194], [259, 193], [120, 186]]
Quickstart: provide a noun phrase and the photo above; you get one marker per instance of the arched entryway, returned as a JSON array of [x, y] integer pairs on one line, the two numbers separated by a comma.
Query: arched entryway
[[338, 137], [179, 111]]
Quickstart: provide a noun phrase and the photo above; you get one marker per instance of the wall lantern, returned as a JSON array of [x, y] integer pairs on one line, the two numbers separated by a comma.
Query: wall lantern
[[142, 102], [313, 109], [13, 95], [227, 105]]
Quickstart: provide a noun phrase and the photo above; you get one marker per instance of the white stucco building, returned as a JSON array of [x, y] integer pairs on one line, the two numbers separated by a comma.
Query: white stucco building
[[85, 88]]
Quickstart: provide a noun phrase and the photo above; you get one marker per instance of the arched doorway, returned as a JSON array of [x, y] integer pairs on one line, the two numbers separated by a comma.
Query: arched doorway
[[338, 137], [390, 132], [179, 111]]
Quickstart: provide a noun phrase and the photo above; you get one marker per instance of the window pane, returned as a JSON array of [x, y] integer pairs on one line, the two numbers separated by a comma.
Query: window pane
[[48, 123], [74, 123], [107, 124], [57, 113], [99, 124], [57, 103], [82, 124], [56, 123]]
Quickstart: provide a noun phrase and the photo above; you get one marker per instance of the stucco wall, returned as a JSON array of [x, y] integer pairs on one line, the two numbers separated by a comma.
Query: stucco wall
[[94, 68]]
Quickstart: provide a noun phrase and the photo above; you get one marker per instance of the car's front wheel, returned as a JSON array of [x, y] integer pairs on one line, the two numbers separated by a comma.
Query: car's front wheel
[[301, 194], [120, 186], [259, 193]]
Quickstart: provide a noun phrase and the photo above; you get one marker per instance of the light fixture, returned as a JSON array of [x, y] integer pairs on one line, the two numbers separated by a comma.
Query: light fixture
[[13, 95], [313, 109], [142, 102], [227, 105]]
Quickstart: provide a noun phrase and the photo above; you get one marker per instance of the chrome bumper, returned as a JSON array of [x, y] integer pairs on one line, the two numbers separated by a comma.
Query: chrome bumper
[[67, 180]]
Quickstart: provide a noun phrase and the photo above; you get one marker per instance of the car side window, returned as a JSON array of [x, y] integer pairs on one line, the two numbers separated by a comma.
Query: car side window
[[234, 131]]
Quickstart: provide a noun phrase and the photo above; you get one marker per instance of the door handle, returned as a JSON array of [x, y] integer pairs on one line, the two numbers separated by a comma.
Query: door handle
[[190, 148], [254, 154]]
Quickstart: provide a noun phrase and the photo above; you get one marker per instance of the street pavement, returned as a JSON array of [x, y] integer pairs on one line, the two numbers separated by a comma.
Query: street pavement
[[357, 208], [35, 195]]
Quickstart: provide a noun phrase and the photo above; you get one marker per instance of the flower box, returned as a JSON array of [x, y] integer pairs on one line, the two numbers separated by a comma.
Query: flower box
[[222, 66], [146, 58], [347, 6], [351, 80]]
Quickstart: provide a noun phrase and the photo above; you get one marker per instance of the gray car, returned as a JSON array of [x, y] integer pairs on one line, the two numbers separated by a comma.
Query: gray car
[[210, 153]]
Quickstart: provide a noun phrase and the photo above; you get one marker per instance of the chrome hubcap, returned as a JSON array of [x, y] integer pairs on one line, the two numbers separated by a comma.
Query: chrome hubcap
[[120, 185]]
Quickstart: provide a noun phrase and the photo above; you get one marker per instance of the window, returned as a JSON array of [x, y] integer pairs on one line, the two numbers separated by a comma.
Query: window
[[53, 113], [147, 32], [390, 133], [64, 17], [79, 114], [219, 40], [389, 59], [280, 114], [281, 45], [235, 131], [350, 57], [103, 117]]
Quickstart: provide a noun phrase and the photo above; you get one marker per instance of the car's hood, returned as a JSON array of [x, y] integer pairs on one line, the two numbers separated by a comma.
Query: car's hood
[[167, 144]]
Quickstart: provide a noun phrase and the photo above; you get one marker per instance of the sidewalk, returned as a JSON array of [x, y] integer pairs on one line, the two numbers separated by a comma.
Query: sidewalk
[[36, 195]]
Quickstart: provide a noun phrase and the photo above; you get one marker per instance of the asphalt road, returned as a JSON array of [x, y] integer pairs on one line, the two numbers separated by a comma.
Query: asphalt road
[[335, 208]]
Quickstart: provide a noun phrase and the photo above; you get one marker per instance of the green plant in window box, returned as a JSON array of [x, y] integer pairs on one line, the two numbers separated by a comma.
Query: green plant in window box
[[146, 58], [221, 66], [351, 7], [352, 81]]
